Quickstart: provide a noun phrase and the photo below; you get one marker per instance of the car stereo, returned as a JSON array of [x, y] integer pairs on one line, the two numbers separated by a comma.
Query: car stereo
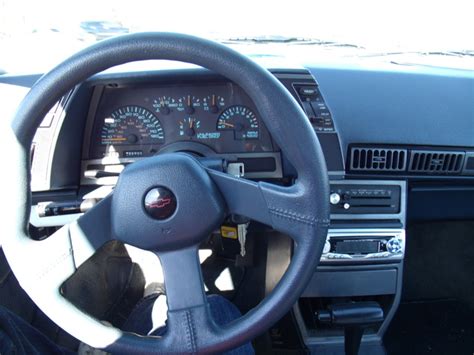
[[367, 222]]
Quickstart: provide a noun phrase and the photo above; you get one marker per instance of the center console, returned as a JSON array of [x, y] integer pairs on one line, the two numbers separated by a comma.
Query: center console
[[361, 262], [361, 265], [363, 254]]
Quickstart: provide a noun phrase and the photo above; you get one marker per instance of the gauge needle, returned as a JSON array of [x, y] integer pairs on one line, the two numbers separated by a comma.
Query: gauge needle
[[191, 122], [213, 100], [189, 100], [119, 139], [228, 124]]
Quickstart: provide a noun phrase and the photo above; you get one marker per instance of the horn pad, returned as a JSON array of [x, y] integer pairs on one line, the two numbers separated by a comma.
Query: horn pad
[[165, 202]]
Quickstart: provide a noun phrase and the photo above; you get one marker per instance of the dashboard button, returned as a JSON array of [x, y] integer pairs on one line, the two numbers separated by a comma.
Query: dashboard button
[[308, 91]]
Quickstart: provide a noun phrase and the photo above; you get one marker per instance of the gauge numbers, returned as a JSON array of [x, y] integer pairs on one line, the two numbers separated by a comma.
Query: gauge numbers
[[241, 120], [131, 125], [213, 103], [164, 104], [189, 126]]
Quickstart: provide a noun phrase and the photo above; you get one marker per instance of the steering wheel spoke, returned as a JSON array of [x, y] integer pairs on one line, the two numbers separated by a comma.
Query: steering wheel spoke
[[183, 278], [188, 311], [90, 231], [273, 205], [66, 249]]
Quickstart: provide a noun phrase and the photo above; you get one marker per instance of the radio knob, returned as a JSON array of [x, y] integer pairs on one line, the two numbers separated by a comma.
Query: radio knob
[[334, 198], [394, 246]]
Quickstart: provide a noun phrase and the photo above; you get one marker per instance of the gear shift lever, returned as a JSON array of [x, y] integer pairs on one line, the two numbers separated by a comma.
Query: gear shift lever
[[354, 317]]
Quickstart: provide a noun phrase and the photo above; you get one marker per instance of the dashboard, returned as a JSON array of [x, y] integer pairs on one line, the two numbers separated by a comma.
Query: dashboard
[[140, 121], [391, 115], [383, 134], [196, 112]]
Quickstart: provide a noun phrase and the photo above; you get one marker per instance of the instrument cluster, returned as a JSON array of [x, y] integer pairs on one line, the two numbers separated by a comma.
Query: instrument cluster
[[140, 121]]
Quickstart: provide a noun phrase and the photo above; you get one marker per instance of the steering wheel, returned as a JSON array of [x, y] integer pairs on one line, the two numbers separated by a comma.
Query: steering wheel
[[168, 204]]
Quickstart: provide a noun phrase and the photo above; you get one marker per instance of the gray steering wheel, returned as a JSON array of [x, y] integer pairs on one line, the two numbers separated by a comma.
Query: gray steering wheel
[[200, 200]]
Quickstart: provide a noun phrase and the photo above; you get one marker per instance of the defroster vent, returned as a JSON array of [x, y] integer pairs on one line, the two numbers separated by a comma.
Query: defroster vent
[[436, 162], [378, 159]]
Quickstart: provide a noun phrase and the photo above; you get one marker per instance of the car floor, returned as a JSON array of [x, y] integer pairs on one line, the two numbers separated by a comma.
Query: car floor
[[436, 314], [108, 286], [14, 298]]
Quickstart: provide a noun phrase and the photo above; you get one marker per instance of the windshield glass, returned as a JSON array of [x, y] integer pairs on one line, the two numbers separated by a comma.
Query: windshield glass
[[36, 35]]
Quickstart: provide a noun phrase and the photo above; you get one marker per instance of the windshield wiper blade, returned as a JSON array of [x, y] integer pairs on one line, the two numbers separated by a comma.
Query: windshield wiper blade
[[288, 40], [329, 43], [452, 53], [461, 53], [263, 39]]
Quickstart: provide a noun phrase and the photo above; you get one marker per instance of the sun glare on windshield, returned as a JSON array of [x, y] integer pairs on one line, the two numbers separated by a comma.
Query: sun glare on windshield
[[60, 29]]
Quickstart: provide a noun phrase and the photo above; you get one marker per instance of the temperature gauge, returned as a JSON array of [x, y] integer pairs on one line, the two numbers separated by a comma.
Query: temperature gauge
[[213, 103]]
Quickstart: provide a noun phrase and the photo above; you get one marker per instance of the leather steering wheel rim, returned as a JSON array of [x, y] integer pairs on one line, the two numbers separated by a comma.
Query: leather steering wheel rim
[[301, 210]]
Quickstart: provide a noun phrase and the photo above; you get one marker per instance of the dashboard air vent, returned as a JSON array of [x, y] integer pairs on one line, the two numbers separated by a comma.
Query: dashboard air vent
[[378, 159], [436, 162]]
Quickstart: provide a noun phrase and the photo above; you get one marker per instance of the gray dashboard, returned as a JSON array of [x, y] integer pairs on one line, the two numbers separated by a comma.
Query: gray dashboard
[[400, 105], [391, 105]]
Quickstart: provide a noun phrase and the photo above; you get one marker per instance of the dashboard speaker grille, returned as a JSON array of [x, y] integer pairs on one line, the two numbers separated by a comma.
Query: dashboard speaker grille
[[378, 159], [436, 162]]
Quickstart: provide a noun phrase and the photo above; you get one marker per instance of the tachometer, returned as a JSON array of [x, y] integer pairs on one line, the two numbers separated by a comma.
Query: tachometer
[[131, 125], [241, 120]]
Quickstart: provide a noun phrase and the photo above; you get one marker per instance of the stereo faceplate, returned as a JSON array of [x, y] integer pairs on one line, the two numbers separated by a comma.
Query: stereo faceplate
[[364, 245]]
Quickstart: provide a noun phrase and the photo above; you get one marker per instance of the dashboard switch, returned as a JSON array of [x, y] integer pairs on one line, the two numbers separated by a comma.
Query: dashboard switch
[[308, 91], [236, 169], [308, 109]]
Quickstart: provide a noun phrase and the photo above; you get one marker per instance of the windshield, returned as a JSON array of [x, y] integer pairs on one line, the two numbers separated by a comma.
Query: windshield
[[36, 35]]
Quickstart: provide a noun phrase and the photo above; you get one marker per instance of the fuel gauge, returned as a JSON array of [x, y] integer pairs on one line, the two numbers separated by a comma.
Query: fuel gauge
[[189, 126]]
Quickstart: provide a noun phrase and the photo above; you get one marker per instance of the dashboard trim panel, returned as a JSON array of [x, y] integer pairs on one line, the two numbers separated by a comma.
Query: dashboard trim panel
[[276, 174], [401, 215]]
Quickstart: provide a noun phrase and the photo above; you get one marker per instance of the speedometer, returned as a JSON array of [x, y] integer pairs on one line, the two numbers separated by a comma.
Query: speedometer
[[131, 125], [241, 120]]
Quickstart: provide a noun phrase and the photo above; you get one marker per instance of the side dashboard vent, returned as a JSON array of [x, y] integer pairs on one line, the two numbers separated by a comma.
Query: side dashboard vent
[[378, 159], [436, 162]]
